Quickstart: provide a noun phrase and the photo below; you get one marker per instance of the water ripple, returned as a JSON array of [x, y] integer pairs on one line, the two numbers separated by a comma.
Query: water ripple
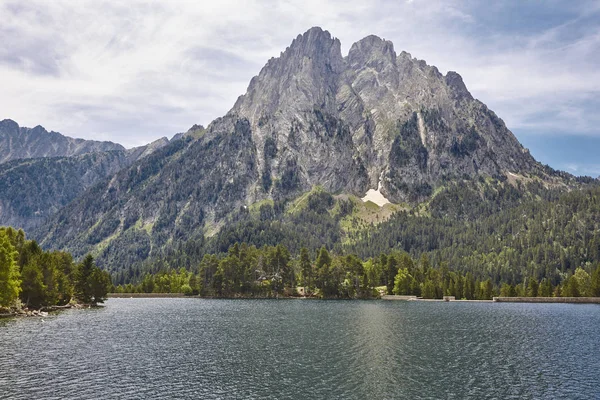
[[260, 349]]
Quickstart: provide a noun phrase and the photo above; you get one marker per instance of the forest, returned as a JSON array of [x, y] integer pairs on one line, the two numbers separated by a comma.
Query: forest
[[34, 279], [511, 234], [475, 239], [270, 271]]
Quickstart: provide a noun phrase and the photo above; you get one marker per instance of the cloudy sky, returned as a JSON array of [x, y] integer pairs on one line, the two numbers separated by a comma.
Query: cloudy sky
[[140, 70]]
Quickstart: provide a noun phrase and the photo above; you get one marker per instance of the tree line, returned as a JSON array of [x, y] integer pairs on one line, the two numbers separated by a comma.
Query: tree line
[[34, 278], [271, 271], [489, 227]]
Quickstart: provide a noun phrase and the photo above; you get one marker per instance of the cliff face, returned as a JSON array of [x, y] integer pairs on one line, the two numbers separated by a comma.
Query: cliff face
[[346, 123], [19, 143], [311, 117]]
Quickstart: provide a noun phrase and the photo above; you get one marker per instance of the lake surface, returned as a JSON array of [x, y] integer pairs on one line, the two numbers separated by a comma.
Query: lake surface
[[293, 349]]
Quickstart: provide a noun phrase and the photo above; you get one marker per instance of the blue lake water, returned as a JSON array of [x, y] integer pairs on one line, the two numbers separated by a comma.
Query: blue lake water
[[293, 349]]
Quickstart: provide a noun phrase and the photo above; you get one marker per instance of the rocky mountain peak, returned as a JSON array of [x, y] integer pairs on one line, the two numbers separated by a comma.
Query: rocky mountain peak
[[373, 120], [304, 75], [8, 125], [372, 52], [316, 44], [457, 86], [352, 110]]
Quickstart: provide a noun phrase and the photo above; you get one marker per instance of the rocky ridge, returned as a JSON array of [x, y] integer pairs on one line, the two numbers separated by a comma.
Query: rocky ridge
[[20, 143], [347, 122]]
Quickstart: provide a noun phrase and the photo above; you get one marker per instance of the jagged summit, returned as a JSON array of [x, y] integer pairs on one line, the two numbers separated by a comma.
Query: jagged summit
[[458, 87], [310, 61], [316, 43], [393, 116], [372, 51]]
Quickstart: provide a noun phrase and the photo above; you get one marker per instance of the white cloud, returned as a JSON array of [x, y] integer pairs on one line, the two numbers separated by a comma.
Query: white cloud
[[134, 71], [592, 170]]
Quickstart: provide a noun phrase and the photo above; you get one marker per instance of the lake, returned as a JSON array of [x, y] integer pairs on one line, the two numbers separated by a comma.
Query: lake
[[292, 349]]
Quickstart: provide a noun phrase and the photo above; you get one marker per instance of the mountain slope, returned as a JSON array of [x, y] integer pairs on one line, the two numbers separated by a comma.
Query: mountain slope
[[31, 190], [311, 117], [19, 142], [171, 194], [34, 189]]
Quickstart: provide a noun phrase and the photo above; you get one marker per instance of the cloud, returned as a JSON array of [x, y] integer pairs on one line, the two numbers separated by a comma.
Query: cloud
[[592, 170], [135, 71]]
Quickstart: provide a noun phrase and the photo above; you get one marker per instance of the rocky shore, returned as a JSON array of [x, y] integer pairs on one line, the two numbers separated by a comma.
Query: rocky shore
[[42, 312]]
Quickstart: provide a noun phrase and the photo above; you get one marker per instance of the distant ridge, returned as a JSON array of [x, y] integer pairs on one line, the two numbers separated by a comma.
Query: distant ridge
[[19, 143], [43, 171]]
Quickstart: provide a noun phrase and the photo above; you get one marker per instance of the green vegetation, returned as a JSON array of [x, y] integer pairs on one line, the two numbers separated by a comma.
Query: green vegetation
[[270, 271], [10, 282], [247, 271], [38, 278], [509, 234]]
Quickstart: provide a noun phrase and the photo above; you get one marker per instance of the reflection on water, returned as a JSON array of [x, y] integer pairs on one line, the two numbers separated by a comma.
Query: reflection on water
[[182, 348]]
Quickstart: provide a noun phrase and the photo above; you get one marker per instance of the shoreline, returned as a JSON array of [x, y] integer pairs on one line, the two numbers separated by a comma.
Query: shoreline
[[569, 300], [146, 295], [45, 311]]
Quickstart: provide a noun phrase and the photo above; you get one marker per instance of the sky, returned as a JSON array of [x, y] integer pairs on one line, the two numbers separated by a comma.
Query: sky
[[132, 72]]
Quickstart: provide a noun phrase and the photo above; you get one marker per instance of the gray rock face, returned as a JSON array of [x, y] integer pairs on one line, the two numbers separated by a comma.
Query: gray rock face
[[292, 107], [347, 122], [137, 153], [19, 143], [310, 117]]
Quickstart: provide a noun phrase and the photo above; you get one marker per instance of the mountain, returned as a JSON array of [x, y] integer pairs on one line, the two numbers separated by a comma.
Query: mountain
[[373, 120], [347, 123], [19, 143], [34, 189], [31, 190]]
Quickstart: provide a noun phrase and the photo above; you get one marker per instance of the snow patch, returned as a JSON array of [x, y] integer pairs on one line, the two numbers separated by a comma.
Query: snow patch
[[375, 196], [422, 129]]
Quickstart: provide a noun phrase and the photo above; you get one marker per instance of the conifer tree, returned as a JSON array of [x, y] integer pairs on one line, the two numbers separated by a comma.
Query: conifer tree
[[306, 270], [595, 284], [10, 278]]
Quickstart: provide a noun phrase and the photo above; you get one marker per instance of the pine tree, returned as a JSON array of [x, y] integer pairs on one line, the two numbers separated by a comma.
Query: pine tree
[[487, 289], [10, 278], [402, 282], [99, 285], [595, 284], [428, 291], [390, 273], [306, 270], [469, 287], [583, 282], [546, 288], [32, 285], [83, 289], [323, 264], [570, 287], [532, 287]]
